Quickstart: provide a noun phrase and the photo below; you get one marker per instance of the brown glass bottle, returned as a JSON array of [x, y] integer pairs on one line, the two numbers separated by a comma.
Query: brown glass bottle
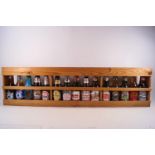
[[86, 81], [57, 81]]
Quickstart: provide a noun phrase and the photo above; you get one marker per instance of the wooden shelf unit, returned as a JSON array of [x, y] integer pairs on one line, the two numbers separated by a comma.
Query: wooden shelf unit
[[76, 71]]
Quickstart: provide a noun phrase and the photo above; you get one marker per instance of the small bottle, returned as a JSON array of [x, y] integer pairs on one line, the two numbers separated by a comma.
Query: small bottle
[[57, 81], [76, 81], [45, 81], [10, 95], [85, 95], [37, 94], [76, 95], [95, 82], [142, 94], [10, 81], [86, 81], [19, 94], [106, 94], [20, 81], [56, 95], [67, 95], [45, 95], [95, 96], [67, 82], [115, 94], [125, 94], [37, 81]]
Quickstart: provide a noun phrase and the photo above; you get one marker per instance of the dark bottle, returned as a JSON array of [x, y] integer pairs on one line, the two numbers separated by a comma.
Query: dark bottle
[[95, 82], [125, 83], [67, 82], [125, 94], [37, 81], [76, 81], [115, 94], [106, 82], [142, 94], [133, 94], [20, 81], [86, 81], [10, 81], [57, 81], [142, 82]]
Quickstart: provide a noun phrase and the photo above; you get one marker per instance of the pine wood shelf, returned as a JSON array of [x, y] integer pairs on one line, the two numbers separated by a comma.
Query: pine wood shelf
[[50, 103], [76, 71], [73, 88]]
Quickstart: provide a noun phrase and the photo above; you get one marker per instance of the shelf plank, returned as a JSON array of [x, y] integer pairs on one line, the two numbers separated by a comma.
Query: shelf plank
[[73, 88], [77, 103], [72, 71]]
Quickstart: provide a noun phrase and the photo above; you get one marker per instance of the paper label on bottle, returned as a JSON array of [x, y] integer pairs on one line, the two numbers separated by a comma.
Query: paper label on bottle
[[106, 96]]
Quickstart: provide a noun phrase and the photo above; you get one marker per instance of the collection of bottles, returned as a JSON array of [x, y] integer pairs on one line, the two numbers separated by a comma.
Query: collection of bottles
[[77, 95]]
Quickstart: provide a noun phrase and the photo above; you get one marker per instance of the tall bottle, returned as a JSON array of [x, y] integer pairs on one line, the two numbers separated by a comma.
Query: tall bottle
[[10, 81], [76, 81], [115, 94], [142, 94], [125, 94], [67, 82], [95, 82], [86, 81], [133, 94], [106, 94], [57, 81], [37, 81]]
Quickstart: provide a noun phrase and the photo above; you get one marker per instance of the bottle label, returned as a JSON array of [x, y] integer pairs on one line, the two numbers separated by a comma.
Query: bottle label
[[115, 95], [57, 82], [76, 95], [19, 94], [10, 95], [106, 96], [57, 95], [37, 94], [45, 95], [67, 95], [125, 96], [142, 96], [85, 95], [133, 95], [95, 96]]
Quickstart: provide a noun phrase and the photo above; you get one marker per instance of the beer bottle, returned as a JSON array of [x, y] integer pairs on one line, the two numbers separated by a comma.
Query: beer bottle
[[67, 82], [86, 81], [10, 81], [95, 82], [37, 81], [57, 81], [77, 81], [125, 94], [45, 81], [20, 81]]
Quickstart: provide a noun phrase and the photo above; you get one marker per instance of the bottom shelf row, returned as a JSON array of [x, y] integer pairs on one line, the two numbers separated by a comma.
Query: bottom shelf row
[[76, 95]]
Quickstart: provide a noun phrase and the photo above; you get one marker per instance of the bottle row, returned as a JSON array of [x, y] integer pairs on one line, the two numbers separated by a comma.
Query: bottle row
[[78, 81], [77, 95]]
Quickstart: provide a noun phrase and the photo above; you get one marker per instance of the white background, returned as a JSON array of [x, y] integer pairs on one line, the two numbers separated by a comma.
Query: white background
[[78, 47]]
